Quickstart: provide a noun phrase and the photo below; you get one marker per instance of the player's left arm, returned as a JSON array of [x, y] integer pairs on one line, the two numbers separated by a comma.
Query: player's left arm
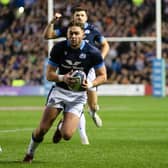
[[104, 48], [101, 76], [104, 45], [49, 32], [100, 69]]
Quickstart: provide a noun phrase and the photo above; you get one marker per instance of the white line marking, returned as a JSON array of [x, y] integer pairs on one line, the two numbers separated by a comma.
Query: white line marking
[[19, 108], [25, 108], [114, 128], [16, 130], [21, 130]]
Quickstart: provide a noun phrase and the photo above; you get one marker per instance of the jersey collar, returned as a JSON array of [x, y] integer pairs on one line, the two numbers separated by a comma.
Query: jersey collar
[[81, 46]]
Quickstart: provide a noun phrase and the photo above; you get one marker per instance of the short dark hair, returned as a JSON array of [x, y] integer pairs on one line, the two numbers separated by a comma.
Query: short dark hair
[[74, 23], [78, 8]]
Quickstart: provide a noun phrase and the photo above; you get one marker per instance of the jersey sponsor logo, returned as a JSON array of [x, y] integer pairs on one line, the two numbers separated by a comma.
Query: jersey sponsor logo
[[72, 65]]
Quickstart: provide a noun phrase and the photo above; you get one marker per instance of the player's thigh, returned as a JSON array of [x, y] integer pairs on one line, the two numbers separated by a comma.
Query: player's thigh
[[70, 123], [92, 97], [49, 115]]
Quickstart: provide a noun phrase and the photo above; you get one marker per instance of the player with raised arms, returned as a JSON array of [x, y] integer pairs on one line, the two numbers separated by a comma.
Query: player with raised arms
[[67, 56], [94, 37]]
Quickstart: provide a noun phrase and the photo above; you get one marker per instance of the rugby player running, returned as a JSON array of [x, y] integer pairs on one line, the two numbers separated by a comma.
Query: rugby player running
[[60, 97]]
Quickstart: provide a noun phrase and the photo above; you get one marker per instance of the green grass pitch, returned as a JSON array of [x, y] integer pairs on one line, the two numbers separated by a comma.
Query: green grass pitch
[[134, 135]]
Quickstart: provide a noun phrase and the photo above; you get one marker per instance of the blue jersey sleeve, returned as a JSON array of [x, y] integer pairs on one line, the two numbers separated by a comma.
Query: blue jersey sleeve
[[99, 38], [93, 36]]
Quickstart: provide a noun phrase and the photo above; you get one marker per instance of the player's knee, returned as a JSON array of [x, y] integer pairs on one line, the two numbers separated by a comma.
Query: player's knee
[[66, 135], [93, 106]]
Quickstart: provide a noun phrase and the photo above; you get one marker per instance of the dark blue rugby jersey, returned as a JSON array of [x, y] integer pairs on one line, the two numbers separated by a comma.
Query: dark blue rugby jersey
[[92, 35], [66, 59]]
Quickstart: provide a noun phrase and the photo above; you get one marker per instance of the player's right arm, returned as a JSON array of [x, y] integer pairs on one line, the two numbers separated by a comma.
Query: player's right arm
[[49, 32], [51, 75]]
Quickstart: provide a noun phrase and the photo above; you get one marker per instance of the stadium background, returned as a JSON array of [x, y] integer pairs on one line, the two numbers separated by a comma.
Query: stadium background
[[23, 50]]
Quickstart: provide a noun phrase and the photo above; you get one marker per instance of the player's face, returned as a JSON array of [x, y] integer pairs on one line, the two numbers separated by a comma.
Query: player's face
[[80, 16], [75, 35]]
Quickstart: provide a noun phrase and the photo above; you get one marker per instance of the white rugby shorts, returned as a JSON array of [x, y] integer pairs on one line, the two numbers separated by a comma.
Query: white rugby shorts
[[91, 77], [67, 100]]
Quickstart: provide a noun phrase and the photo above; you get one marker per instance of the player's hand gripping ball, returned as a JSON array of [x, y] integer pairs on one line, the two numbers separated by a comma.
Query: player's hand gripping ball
[[79, 77]]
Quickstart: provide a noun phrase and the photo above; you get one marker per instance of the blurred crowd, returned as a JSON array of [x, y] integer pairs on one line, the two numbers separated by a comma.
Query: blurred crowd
[[23, 48]]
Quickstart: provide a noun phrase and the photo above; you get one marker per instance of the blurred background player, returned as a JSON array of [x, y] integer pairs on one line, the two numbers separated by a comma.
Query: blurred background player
[[94, 37], [60, 97]]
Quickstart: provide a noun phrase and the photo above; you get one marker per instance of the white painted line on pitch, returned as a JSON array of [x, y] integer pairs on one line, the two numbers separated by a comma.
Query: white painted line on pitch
[[40, 107], [116, 108], [33, 108], [20, 130], [19, 108], [16, 130], [112, 128]]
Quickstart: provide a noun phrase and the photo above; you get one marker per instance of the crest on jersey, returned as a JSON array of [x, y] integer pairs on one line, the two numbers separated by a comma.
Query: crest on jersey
[[82, 56]]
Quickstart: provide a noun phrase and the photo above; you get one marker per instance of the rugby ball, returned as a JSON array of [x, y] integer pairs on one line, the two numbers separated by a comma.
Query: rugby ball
[[79, 76]]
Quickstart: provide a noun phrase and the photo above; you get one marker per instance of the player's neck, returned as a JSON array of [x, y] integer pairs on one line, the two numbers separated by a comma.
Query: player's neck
[[75, 47]]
